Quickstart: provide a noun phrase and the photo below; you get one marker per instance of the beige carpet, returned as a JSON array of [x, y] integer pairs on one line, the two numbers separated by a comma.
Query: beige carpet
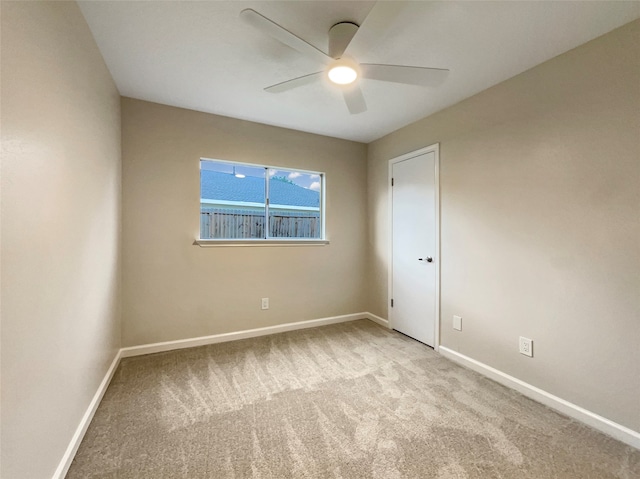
[[346, 401]]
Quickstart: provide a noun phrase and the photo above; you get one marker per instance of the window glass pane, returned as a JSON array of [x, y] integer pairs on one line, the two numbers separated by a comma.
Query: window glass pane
[[294, 204], [232, 201]]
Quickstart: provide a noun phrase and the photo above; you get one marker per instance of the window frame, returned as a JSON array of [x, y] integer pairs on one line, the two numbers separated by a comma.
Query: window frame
[[268, 240]]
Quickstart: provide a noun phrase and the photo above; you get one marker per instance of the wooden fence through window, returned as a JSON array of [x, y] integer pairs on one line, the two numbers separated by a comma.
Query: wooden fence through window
[[220, 223]]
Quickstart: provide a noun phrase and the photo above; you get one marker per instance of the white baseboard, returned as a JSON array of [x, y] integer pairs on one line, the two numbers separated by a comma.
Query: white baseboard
[[377, 319], [602, 424], [249, 333], [72, 448]]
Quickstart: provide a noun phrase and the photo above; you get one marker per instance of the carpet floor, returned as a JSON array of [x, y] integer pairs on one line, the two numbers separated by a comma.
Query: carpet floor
[[351, 400]]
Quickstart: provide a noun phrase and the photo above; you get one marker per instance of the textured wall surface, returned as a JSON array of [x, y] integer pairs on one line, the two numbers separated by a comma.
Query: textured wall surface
[[540, 231], [173, 289], [60, 230]]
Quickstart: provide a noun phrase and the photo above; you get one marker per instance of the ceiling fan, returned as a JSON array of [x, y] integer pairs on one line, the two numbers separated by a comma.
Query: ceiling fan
[[348, 41]]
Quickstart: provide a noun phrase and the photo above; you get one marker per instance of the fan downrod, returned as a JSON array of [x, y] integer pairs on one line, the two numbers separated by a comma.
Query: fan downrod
[[340, 36]]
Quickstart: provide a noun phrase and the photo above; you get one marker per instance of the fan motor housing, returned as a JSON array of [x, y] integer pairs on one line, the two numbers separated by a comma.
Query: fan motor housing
[[339, 37]]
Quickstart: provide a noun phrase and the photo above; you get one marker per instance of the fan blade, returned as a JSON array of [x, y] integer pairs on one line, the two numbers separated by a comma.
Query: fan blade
[[354, 99], [294, 83], [404, 74], [281, 34], [374, 27]]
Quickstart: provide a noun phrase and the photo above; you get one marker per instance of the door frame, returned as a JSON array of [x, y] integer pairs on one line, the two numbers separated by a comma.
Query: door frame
[[435, 148]]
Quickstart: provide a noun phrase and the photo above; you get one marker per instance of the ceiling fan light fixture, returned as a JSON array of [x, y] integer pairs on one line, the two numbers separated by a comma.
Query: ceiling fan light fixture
[[342, 74], [343, 71]]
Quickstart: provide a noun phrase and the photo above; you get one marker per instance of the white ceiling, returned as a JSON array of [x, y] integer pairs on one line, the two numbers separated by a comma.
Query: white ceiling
[[202, 56]]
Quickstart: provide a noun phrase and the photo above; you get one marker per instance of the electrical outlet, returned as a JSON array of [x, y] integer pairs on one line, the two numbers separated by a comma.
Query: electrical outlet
[[457, 323], [265, 303], [526, 346]]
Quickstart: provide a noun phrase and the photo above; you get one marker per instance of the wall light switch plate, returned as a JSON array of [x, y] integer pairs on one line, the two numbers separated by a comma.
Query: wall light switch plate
[[526, 346], [457, 323]]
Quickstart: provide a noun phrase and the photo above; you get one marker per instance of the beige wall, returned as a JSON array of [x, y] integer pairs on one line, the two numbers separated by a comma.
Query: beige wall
[[173, 289], [540, 223], [60, 230]]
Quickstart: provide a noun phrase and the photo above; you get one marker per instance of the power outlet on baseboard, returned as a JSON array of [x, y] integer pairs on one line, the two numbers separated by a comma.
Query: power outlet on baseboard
[[265, 303], [457, 323], [526, 346]]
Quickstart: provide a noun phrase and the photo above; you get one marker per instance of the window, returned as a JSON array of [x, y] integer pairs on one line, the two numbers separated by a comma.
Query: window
[[249, 202]]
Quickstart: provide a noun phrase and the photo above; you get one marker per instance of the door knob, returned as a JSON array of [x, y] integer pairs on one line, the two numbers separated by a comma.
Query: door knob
[[428, 259]]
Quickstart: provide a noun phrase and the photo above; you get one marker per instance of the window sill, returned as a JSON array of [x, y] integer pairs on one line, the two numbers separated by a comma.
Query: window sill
[[205, 243]]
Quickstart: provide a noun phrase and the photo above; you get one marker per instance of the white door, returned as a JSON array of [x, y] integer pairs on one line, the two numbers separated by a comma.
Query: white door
[[413, 244]]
